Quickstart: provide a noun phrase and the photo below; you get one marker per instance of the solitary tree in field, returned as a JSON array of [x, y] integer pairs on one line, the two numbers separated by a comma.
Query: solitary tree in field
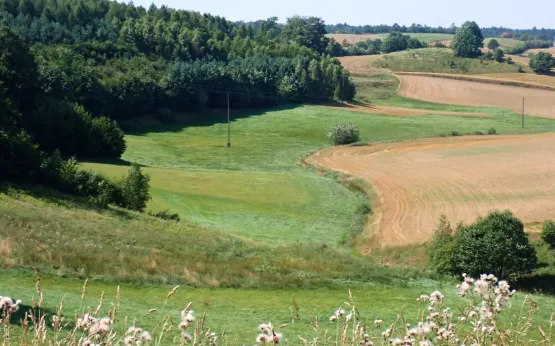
[[468, 40], [493, 44], [542, 62]]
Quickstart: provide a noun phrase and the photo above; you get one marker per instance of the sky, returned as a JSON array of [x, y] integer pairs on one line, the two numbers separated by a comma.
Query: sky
[[507, 13]]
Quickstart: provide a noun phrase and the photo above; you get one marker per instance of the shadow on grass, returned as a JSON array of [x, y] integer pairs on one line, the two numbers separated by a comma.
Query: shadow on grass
[[207, 117], [36, 314], [61, 199], [536, 283]]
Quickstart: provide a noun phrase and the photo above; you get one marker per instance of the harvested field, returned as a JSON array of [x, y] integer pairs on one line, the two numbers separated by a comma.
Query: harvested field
[[447, 43], [443, 90], [535, 79], [537, 50], [360, 63], [415, 182], [353, 38]]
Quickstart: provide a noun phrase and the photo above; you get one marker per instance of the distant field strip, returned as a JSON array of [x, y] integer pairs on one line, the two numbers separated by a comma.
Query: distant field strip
[[523, 80], [461, 92], [461, 177]]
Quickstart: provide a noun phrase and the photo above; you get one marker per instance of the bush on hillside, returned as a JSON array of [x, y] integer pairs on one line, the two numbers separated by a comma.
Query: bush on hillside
[[135, 186], [492, 131], [494, 244], [344, 134], [542, 62], [548, 233], [493, 44], [165, 215], [498, 55]]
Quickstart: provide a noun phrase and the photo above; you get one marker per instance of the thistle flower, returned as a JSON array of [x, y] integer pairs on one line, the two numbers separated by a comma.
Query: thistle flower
[[129, 340], [378, 323], [261, 338], [146, 337], [187, 338], [277, 338], [349, 317], [333, 318], [184, 325]]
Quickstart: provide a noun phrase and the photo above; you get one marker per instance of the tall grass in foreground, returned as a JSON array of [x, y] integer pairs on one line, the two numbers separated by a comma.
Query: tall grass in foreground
[[478, 322]]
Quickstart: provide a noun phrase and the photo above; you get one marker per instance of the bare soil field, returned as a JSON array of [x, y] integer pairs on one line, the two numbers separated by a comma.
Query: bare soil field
[[461, 92], [415, 182], [359, 63]]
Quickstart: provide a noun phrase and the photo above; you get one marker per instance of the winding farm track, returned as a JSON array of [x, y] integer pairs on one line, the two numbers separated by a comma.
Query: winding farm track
[[443, 90], [415, 182]]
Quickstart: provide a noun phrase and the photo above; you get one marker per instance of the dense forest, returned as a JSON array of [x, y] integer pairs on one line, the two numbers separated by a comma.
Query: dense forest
[[521, 34], [71, 70]]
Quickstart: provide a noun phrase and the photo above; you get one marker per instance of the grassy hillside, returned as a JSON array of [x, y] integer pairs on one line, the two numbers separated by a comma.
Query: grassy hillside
[[256, 189], [69, 237], [440, 60], [67, 241]]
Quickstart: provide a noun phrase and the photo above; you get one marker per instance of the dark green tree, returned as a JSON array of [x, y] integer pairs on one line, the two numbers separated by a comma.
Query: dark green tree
[[468, 41], [542, 62], [498, 55], [493, 44], [548, 233], [395, 42], [306, 31]]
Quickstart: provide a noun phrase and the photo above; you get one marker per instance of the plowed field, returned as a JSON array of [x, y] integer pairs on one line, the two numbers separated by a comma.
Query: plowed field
[[442, 90], [417, 181]]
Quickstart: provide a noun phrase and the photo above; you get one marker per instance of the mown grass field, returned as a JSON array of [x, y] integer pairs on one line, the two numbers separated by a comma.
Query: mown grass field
[[440, 60], [256, 189], [504, 42]]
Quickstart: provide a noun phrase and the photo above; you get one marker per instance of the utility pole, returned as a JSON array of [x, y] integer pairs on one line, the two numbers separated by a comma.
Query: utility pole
[[229, 123], [523, 111]]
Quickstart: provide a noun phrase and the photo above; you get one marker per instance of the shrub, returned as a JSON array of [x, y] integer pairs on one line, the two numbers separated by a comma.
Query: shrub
[[495, 244], [20, 158], [548, 233], [510, 61], [440, 249], [498, 55], [492, 131], [165, 215], [135, 186], [542, 62], [455, 133], [109, 138], [478, 133], [344, 134], [488, 55]]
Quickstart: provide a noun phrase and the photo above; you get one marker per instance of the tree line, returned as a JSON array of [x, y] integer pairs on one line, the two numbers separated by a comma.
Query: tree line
[[394, 42], [544, 34]]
